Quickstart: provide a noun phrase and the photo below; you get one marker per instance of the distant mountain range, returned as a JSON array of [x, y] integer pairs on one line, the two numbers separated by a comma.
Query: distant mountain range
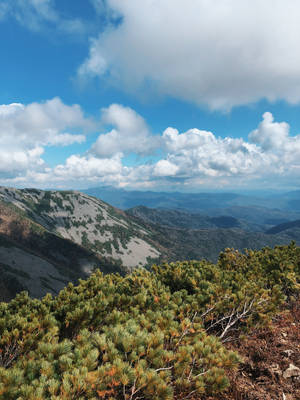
[[125, 199], [50, 238]]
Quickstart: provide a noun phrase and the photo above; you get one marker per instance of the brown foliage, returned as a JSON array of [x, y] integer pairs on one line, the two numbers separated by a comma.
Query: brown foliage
[[266, 354]]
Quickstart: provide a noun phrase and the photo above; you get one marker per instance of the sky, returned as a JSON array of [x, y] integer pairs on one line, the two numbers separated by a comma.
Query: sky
[[191, 95]]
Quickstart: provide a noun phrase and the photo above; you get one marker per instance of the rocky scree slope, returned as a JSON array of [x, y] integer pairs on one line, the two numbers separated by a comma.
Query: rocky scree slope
[[36, 260], [87, 221]]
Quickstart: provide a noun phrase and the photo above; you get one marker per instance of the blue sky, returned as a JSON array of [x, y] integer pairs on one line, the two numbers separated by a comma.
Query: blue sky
[[156, 95]]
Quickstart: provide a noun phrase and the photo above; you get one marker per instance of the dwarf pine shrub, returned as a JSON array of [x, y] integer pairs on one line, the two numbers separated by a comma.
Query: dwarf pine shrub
[[149, 335]]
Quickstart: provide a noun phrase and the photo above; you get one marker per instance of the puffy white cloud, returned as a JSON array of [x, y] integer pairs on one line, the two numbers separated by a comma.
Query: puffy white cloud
[[25, 130], [270, 135], [218, 53], [199, 153], [130, 135], [192, 159], [78, 171], [165, 168], [89, 167], [42, 124], [19, 160], [274, 140]]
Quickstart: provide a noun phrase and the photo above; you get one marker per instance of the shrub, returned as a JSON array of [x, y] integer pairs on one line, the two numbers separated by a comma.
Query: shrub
[[149, 335]]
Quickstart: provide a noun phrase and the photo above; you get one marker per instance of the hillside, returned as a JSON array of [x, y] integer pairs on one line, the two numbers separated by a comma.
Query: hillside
[[87, 221], [287, 226], [187, 236], [195, 244], [188, 220], [181, 219], [34, 259]]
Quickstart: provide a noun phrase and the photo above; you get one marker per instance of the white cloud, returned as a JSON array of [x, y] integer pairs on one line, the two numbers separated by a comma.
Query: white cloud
[[89, 167], [218, 53], [25, 130], [197, 153], [274, 139], [42, 124], [270, 135], [20, 160], [192, 159], [130, 135], [165, 168]]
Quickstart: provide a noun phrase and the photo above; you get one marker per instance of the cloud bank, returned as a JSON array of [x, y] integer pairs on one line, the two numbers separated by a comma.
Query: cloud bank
[[220, 54], [193, 159]]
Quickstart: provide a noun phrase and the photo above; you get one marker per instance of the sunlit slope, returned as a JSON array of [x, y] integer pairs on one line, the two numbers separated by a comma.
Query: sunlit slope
[[88, 222]]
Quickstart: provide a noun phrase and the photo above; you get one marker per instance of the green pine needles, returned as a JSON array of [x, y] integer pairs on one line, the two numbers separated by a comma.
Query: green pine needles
[[149, 335]]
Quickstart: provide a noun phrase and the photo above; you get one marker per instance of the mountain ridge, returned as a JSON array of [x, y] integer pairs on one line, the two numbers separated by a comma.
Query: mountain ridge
[[60, 236]]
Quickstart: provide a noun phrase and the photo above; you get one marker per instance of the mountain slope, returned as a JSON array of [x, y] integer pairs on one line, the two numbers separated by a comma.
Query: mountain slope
[[284, 227], [87, 221], [184, 219], [34, 259], [195, 244]]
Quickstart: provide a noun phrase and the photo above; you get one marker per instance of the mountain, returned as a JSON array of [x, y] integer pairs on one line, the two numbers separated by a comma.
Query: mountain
[[194, 236], [195, 244], [256, 218], [34, 259], [291, 228], [257, 212], [87, 221], [125, 199], [190, 201], [188, 220], [50, 238]]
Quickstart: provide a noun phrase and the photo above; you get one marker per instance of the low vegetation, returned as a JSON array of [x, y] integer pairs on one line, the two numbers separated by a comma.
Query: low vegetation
[[158, 334]]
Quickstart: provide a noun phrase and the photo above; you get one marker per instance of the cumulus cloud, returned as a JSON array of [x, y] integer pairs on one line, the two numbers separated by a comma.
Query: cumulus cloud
[[271, 135], [77, 172], [89, 167], [192, 159], [25, 130], [197, 153], [200, 155], [221, 54], [130, 135], [42, 123], [274, 139]]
